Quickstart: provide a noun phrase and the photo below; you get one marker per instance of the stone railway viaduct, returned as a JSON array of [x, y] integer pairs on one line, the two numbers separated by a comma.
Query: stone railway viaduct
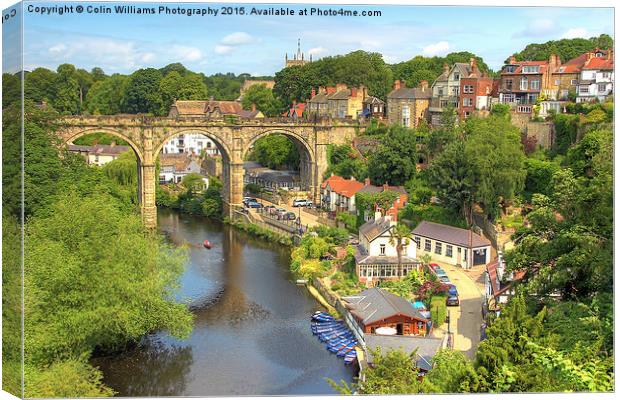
[[147, 135]]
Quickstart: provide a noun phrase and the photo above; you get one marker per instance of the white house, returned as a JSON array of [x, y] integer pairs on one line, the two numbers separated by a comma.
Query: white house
[[99, 154], [192, 143], [338, 193], [376, 258], [451, 245], [596, 81], [499, 285], [173, 167]]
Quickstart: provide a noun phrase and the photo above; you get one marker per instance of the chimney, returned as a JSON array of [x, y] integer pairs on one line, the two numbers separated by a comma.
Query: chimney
[[253, 107], [352, 178], [331, 89], [590, 55], [553, 62], [377, 214], [446, 68], [367, 182], [474, 66], [424, 85], [512, 60], [340, 86], [313, 93], [610, 54], [396, 84], [113, 143], [353, 92]]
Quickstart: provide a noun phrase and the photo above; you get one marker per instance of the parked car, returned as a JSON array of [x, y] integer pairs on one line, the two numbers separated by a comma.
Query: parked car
[[247, 200], [289, 216], [268, 209], [452, 291], [440, 272], [452, 301], [445, 279], [254, 204], [434, 266], [301, 203], [280, 212]]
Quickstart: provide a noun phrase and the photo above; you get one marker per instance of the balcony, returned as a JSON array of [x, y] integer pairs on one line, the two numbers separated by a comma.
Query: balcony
[[438, 104]]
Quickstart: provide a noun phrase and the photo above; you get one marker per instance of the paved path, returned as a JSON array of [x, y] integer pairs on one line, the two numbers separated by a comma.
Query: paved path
[[306, 218], [466, 319]]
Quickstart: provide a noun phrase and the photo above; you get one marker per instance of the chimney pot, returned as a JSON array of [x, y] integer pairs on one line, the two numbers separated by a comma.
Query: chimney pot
[[446, 68], [512, 60], [253, 107], [313, 93], [396, 84], [367, 182]]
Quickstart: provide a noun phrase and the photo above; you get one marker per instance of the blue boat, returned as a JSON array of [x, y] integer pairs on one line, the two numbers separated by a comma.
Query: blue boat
[[337, 348], [344, 351], [350, 357]]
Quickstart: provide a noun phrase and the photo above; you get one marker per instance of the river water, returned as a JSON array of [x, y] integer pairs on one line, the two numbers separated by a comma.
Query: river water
[[251, 331]]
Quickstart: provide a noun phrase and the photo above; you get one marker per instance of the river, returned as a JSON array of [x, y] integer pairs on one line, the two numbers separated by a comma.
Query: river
[[251, 331]]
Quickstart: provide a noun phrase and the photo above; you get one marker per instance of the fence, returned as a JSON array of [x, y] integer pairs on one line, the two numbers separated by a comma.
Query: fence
[[487, 227]]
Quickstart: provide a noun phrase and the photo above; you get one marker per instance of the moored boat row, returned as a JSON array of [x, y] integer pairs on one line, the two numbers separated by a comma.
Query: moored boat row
[[335, 334]]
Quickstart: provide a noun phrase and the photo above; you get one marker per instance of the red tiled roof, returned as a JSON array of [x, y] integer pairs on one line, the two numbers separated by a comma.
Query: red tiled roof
[[599, 63], [344, 187]]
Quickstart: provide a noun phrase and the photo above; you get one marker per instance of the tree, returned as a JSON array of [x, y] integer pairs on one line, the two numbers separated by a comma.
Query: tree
[[141, 94], [85, 81], [275, 151], [11, 89], [452, 373], [193, 183], [262, 98], [392, 372], [105, 97], [538, 175], [39, 85], [97, 74], [175, 86], [67, 90], [395, 160], [567, 49], [400, 236]]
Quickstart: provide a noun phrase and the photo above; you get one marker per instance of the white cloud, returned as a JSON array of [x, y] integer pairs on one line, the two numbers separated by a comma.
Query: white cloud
[[317, 51], [57, 49], [537, 27], [186, 53], [221, 49], [100, 51], [236, 39], [576, 33], [436, 49]]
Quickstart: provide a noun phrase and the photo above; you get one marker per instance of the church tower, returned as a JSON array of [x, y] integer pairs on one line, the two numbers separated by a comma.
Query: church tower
[[298, 58]]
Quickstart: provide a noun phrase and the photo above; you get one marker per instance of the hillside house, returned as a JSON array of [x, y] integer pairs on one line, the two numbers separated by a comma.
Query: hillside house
[[408, 107]]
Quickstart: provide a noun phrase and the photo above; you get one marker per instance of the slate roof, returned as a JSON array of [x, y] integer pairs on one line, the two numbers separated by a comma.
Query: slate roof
[[343, 94], [362, 257], [410, 93], [375, 228], [450, 234], [426, 347], [248, 113], [319, 98], [376, 304], [373, 100], [225, 107]]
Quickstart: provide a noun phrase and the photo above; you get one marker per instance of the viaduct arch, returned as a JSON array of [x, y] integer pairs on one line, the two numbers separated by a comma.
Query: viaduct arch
[[147, 136]]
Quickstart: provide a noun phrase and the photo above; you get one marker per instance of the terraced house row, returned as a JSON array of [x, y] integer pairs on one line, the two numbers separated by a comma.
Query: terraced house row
[[529, 87]]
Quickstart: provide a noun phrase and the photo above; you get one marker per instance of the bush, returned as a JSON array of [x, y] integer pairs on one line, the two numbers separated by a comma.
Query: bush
[[349, 220], [335, 236], [417, 213], [438, 310]]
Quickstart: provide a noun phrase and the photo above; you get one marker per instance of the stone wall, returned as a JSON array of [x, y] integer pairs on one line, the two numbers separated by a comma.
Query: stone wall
[[543, 132]]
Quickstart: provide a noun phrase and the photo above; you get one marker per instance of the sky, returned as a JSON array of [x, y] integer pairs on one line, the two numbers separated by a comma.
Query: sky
[[257, 44]]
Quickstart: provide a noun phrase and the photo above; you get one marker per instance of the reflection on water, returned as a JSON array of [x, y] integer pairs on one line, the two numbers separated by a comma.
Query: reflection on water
[[251, 333]]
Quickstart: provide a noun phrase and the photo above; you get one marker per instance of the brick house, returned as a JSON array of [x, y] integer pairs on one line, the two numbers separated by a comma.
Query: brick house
[[408, 107], [476, 91], [345, 102], [522, 82]]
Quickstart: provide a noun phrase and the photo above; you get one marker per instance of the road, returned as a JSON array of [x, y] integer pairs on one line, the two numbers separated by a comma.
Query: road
[[466, 319]]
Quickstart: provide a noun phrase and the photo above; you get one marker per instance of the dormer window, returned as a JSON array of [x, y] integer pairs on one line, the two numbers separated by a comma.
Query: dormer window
[[509, 69], [599, 54], [456, 76], [530, 69]]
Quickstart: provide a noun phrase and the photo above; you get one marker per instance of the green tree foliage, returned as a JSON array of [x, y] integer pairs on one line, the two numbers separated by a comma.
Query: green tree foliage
[[105, 96], [77, 280], [66, 90], [354, 69], [175, 86], [39, 85], [395, 160], [11, 89], [275, 151], [538, 175], [193, 183], [224, 86], [566, 126], [393, 372], [421, 68], [142, 92], [580, 158], [567, 49], [344, 162], [262, 97], [452, 373], [70, 378]]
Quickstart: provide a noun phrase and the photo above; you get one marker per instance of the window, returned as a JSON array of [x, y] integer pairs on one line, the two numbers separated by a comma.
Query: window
[[455, 90], [440, 91], [605, 75], [563, 94], [508, 84], [557, 82], [468, 88], [456, 76], [530, 69], [509, 69], [404, 249], [382, 249], [535, 85], [438, 248], [199, 143], [467, 114], [449, 250], [523, 84], [417, 242], [602, 87], [584, 89], [427, 245], [573, 82], [467, 102], [406, 116]]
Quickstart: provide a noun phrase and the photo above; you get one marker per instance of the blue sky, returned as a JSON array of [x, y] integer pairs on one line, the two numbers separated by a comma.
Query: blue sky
[[257, 44]]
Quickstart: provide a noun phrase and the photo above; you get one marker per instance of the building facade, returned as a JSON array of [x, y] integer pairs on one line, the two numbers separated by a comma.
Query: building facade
[[174, 167], [476, 91], [298, 59], [408, 107], [596, 81], [99, 154], [523, 82], [191, 143], [447, 89], [451, 245]]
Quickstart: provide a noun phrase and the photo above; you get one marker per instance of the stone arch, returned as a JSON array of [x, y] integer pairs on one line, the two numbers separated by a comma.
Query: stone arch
[[222, 146], [297, 138], [112, 132]]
